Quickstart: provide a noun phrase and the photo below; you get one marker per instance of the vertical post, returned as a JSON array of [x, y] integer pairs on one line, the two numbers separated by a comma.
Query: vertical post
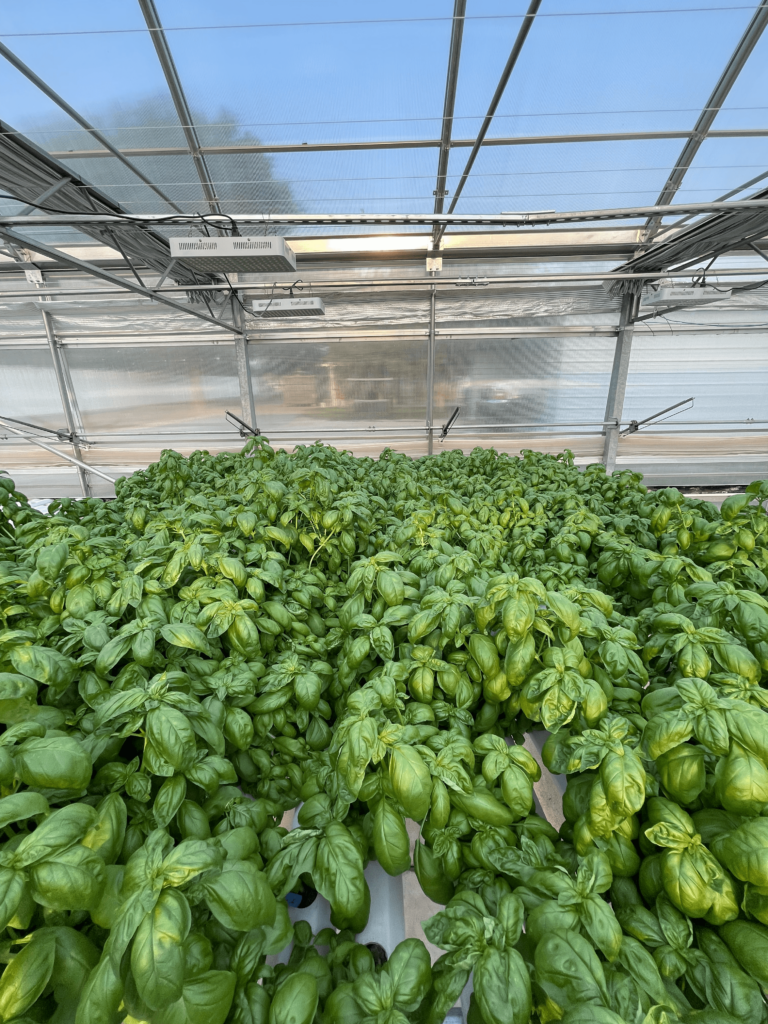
[[247, 405], [430, 369], [618, 385], [68, 399]]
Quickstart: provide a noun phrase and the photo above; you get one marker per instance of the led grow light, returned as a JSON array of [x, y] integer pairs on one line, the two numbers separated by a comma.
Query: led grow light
[[269, 309], [256, 254]]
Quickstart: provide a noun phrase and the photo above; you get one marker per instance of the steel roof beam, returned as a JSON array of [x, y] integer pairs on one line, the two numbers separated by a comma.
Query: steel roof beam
[[449, 103], [539, 218], [337, 147], [733, 68], [517, 47], [165, 57], [11, 57], [122, 282], [34, 178]]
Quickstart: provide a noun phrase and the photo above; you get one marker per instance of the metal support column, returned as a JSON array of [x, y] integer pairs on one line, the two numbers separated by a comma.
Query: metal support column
[[247, 405], [430, 370], [68, 400], [615, 405]]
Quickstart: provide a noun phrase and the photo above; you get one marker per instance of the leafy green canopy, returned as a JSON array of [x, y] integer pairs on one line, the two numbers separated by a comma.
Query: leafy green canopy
[[237, 636]]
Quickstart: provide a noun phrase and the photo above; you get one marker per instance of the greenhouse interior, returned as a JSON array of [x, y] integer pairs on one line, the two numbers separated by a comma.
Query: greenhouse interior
[[383, 530]]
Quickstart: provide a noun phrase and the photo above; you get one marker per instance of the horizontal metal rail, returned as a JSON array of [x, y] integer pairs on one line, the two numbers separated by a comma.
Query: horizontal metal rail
[[494, 220], [352, 145], [413, 282], [98, 437], [54, 451]]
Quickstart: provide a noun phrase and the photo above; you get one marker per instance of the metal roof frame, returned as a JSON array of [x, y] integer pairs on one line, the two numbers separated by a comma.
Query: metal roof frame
[[511, 219], [517, 47], [725, 83], [122, 282], [376, 144], [11, 57], [179, 98], [451, 80], [34, 177]]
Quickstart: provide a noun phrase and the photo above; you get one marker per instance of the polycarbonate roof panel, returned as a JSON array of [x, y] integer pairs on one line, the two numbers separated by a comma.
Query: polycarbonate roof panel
[[388, 181], [314, 82], [722, 165], [563, 176], [747, 101], [597, 72], [97, 56]]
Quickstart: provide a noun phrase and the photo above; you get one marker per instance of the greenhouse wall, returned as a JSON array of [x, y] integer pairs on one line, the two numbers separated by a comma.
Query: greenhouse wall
[[528, 365]]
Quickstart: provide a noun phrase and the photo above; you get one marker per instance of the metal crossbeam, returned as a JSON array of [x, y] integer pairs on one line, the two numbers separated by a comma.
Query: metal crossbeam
[[89, 268], [451, 79], [739, 58], [511, 219], [333, 147], [44, 196], [176, 90], [11, 57]]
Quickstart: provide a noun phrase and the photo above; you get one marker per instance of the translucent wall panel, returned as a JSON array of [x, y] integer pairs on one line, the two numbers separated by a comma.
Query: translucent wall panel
[[523, 380], [727, 375], [540, 305], [28, 389], [147, 389], [339, 385]]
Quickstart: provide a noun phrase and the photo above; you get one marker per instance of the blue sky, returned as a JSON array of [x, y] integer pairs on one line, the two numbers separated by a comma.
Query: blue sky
[[593, 73]]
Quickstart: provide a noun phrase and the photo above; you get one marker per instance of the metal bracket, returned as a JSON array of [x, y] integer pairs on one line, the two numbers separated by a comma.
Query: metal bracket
[[6, 422], [165, 274], [35, 205], [447, 426], [242, 426], [650, 421], [60, 435]]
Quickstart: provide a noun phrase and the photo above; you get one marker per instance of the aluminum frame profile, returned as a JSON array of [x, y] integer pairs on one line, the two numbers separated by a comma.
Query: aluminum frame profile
[[449, 104], [517, 47], [32, 176], [179, 98], [333, 147], [513, 219], [54, 451], [708, 238], [28, 73], [725, 83], [245, 382], [431, 342]]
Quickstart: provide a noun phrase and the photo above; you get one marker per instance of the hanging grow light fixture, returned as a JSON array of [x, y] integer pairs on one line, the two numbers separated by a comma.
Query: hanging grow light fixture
[[292, 306], [247, 254]]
